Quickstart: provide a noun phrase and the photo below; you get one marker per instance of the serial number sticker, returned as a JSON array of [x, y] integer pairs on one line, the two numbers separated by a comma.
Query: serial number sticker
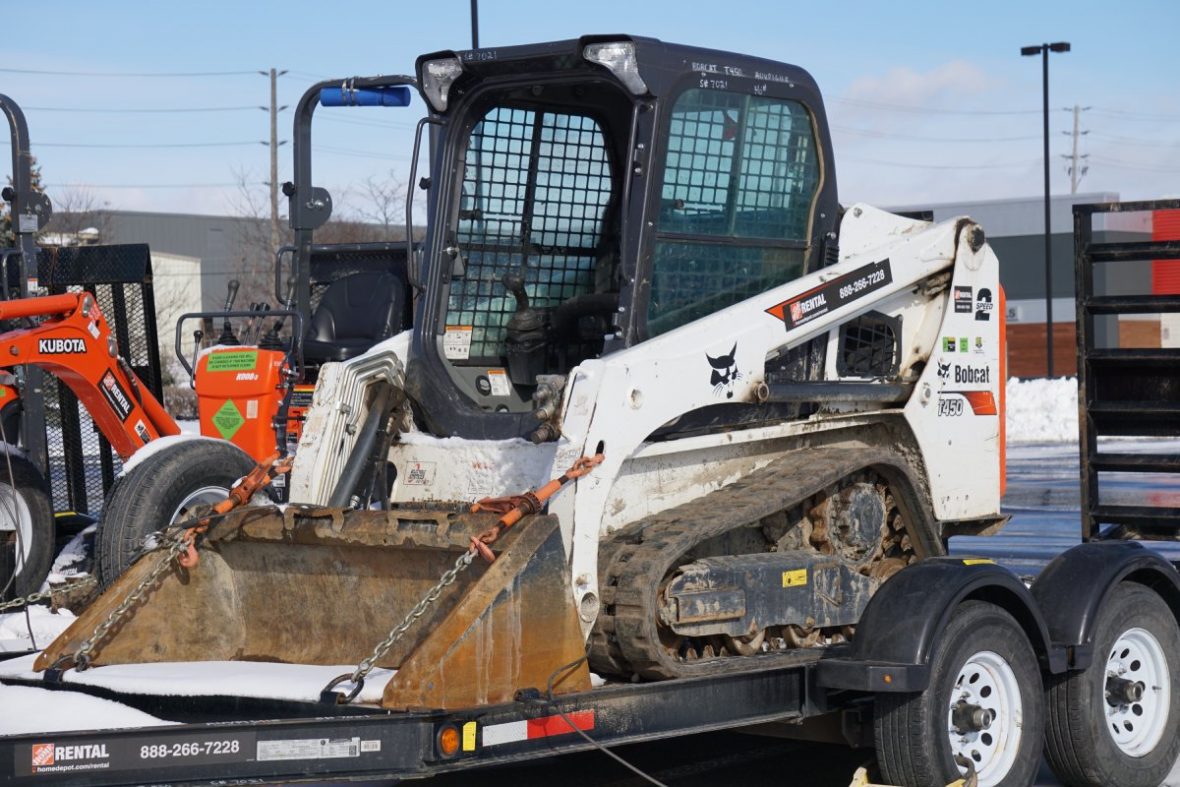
[[309, 749], [370, 746], [420, 473], [457, 342], [794, 579], [498, 378]]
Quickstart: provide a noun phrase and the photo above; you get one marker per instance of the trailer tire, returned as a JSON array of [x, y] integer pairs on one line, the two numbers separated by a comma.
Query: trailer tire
[[27, 549], [158, 492], [1134, 631], [984, 666]]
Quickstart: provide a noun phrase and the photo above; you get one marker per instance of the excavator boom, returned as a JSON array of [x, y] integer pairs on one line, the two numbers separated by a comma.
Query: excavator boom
[[75, 344]]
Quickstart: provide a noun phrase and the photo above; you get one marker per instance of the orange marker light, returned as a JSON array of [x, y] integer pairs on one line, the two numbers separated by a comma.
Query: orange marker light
[[448, 741]]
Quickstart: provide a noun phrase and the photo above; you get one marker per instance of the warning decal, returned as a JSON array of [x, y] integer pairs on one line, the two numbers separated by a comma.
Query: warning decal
[[231, 360], [228, 420]]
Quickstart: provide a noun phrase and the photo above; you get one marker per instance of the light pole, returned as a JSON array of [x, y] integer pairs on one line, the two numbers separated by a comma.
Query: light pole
[[1043, 50]]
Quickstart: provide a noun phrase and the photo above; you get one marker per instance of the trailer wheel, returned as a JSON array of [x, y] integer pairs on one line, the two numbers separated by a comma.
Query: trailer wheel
[[160, 490], [1117, 722], [26, 529], [983, 707]]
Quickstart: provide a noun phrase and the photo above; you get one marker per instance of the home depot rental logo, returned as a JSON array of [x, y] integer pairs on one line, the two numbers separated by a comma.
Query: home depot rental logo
[[49, 757], [42, 754]]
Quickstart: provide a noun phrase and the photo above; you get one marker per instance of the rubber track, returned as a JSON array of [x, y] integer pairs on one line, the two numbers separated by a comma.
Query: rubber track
[[635, 559]]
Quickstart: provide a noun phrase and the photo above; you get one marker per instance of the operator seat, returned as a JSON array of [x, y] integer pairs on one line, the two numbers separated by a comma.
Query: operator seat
[[355, 312]]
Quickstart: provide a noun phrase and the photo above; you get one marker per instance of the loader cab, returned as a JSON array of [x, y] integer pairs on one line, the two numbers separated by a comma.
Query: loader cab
[[589, 195]]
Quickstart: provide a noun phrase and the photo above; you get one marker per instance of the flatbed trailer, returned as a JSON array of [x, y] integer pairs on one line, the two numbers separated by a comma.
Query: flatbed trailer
[[893, 657]]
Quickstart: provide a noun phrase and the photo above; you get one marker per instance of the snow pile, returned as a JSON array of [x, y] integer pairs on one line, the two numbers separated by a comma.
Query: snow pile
[[155, 447], [29, 710], [68, 565], [265, 680], [45, 624], [1042, 411]]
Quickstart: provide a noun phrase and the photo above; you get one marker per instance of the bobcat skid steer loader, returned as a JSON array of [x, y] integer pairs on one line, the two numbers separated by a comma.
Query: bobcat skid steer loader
[[635, 252]]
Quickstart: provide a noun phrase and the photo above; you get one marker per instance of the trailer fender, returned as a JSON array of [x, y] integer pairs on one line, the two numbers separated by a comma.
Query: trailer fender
[[1073, 587], [903, 621]]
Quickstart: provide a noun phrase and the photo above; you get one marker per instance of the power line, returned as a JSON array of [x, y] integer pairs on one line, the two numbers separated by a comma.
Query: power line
[[1130, 115], [886, 135], [121, 110], [932, 111], [1136, 140], [1132, 166], [908, 165], [144, 185], [366, 122], [360, 153], [138, 146], [178, 74]]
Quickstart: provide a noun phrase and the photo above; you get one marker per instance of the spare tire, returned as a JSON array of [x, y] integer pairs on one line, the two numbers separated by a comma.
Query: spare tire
[[160, 490], [26, 528]]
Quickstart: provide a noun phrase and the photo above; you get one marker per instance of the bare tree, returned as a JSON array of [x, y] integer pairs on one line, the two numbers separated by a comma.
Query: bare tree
[[252, 255], [384, 204], [79, 216]]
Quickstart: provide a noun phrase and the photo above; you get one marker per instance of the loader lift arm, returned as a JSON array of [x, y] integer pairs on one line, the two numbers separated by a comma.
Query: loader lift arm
[[75, 344]]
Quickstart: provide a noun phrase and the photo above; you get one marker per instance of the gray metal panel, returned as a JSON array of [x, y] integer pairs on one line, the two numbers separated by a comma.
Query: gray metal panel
[[224, 244]]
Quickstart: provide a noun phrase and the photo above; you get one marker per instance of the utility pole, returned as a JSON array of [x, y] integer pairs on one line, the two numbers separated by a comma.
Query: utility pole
[[1076, 170], [275, 109]]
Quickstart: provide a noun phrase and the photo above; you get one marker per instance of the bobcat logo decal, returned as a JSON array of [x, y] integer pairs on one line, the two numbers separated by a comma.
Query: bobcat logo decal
[[725, 373], [944, 369]]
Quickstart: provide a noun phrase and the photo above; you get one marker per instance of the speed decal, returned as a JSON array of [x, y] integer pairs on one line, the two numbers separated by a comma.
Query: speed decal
[[833, 294]]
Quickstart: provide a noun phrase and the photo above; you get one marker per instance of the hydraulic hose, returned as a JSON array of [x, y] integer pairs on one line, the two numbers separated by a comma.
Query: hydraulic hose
[[363, 450]]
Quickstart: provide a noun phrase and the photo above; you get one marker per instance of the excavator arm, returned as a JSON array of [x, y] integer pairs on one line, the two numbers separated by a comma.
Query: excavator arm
[[75, 344]]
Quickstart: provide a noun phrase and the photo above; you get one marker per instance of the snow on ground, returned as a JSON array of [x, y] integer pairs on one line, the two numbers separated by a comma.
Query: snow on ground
[[1042, 411]]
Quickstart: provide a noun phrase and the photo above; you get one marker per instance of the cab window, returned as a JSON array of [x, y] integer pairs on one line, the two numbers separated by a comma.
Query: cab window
[[740, 177]]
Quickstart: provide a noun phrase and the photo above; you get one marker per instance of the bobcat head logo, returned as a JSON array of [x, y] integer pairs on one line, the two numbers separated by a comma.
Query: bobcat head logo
[[944, 369], [725, 373]]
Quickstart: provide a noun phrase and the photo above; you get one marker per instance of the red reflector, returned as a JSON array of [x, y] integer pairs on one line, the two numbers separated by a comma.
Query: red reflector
[[556, 725]]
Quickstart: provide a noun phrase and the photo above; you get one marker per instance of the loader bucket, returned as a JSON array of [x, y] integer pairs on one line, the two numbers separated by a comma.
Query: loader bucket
[[323, 586]]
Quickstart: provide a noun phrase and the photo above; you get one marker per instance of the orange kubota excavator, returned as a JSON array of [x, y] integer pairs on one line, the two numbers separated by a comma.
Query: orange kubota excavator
[[242, 397]]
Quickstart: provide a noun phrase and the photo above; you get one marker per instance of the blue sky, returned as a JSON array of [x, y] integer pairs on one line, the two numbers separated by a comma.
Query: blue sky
[[929, 102]]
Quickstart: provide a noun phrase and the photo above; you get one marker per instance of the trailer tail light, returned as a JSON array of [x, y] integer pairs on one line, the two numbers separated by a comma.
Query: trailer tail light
[[448, 739], [618, 57], [436, 77]]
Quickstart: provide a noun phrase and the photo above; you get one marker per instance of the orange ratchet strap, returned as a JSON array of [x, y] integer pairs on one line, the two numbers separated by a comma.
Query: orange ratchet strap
[[262, 474], [516, 507]]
